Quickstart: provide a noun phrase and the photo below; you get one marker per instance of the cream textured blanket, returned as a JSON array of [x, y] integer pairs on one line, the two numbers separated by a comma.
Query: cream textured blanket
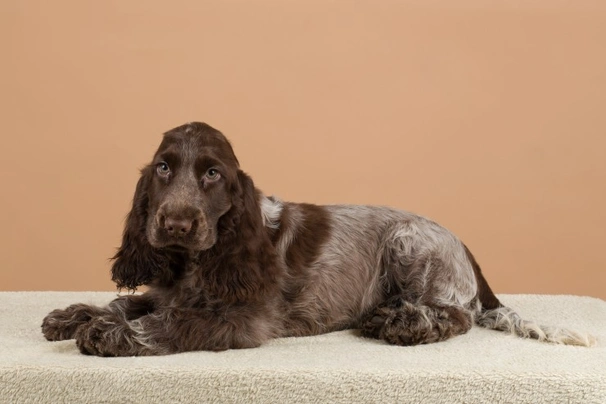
[[482, 366]]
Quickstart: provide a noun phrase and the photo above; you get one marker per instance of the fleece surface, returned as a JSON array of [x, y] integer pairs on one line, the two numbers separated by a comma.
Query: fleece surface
[[482, 366]]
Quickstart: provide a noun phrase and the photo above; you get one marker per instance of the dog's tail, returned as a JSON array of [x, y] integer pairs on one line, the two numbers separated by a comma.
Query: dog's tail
[[505, 319], [495, 316]]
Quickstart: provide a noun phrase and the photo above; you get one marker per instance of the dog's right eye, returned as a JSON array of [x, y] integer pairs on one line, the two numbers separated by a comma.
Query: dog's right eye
[[163, 169]]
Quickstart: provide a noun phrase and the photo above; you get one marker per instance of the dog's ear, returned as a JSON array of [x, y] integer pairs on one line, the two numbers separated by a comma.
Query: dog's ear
[[250, 202], [252, 261], [244, 217], [137, 262]]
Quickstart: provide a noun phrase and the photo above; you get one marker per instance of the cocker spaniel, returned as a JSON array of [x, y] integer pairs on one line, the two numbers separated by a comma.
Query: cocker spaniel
[[227, 267]]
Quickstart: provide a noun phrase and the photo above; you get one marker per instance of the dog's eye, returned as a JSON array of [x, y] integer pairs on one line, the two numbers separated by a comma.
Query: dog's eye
[[212, 174], [163, 169]]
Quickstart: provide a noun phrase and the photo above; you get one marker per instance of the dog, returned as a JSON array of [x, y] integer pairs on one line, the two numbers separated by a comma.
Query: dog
[[227, 267]]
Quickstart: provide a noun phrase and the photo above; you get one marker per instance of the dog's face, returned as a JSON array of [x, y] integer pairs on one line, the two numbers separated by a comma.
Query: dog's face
[[193, 174]]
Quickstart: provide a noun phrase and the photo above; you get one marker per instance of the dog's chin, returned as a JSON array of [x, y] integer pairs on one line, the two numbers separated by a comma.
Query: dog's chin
[[183, 245], [188, 248]]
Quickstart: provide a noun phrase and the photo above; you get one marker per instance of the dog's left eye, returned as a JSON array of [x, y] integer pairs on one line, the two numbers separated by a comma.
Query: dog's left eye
[[212, 174], [163, 169]]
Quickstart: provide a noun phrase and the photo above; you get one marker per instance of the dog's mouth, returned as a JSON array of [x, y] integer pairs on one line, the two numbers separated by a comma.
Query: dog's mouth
[[176, 248], [203, 239]]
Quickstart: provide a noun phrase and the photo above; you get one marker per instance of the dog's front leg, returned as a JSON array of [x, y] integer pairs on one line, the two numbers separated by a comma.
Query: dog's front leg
[[61, 324], [108, 335], [167, 331]]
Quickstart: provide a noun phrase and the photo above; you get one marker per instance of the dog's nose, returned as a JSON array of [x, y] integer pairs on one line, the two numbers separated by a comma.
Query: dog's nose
[[177, 227]]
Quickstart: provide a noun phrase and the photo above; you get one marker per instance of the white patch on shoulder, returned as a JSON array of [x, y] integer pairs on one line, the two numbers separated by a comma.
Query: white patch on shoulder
[[271, 210]]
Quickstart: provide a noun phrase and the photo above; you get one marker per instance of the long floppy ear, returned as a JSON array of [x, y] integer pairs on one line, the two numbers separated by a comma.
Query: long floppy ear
[[137, 262], [244, 218], [250, 257], [250, 198]]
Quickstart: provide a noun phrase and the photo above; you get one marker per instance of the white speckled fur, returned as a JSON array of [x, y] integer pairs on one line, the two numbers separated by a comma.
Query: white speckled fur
[[370, 249]]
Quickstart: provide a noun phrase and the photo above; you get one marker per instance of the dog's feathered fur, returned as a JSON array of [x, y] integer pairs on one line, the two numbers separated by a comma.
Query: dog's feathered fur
[[227, 267]]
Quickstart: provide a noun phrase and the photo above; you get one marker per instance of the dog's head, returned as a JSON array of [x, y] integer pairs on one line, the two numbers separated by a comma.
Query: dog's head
[[192, 192]]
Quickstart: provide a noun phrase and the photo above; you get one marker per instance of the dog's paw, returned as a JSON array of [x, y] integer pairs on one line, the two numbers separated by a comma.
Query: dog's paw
[[105, 336], [60, 325]]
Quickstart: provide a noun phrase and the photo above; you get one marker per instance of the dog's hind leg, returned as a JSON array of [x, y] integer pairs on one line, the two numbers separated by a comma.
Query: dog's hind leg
[[430, 285], [401, 322]]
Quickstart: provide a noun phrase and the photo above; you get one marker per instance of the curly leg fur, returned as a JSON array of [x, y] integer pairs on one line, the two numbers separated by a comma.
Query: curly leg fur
[[60, 325], [133, 326], [401, 322], [109, 335], [101, 331]]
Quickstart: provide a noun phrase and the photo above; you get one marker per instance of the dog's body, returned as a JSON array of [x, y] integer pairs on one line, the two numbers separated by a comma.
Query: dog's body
[[228, 267], [362, 255]]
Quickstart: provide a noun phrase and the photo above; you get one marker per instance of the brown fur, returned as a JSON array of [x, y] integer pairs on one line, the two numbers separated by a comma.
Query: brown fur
[[227, 267], [487, 298]]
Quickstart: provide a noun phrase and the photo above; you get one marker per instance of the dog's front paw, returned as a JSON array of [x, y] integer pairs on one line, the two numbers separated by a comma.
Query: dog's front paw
[[105, 336], [60, 325]]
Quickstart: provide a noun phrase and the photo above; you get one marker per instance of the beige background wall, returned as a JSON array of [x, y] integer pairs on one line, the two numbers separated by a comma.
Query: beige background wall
[[489, 118]]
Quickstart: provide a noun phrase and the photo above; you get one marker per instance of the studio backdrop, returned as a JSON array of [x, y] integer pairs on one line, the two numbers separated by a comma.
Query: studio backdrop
[[488, 117]]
